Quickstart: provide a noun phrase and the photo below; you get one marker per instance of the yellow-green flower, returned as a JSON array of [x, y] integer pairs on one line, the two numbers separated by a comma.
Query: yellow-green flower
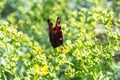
[[41, 70], [44, 70], [37, 49], [37, 69], [58, 49], [65, 51]]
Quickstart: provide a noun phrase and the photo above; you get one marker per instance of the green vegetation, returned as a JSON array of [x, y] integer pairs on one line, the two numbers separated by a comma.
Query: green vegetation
[[91, 33]]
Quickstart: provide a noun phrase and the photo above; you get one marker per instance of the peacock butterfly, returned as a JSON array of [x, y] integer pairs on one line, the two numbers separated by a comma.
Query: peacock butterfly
[[55, 33]]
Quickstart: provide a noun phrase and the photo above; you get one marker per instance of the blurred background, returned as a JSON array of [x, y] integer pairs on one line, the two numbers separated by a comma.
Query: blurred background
[[91, 34]]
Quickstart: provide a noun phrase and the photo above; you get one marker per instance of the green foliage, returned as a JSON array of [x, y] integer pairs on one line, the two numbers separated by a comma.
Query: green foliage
[[2, 2], [91, 38]]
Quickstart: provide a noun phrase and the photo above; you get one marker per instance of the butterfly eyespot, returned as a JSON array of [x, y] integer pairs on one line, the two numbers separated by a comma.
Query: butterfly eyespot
[[55, 35], [60, 38]]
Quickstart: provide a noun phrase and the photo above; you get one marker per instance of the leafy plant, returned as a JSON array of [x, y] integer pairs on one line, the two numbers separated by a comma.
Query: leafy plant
[[90, 32]]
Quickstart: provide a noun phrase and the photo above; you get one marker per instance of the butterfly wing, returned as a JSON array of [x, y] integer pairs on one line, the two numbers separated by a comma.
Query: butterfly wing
[[51, 36], [55, 40], [55, 34], [58, 30]]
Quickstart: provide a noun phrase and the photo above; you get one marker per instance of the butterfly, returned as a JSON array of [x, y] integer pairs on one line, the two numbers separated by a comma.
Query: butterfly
[[55, 33]]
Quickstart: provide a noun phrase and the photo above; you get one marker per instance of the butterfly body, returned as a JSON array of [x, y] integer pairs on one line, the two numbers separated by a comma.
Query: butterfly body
[[55, 33]]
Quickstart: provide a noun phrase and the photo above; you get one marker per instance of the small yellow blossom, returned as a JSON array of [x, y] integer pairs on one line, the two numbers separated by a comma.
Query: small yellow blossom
[[41, 70], [58, 49], [36, 66], [37, 49], [65, 51], [44, 70], [36, 69], [68, 42], [7, 66]]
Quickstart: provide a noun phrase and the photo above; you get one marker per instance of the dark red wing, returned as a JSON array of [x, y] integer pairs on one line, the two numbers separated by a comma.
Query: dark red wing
[[58, 29], [50, 30], [55, 34], [54, 40]]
